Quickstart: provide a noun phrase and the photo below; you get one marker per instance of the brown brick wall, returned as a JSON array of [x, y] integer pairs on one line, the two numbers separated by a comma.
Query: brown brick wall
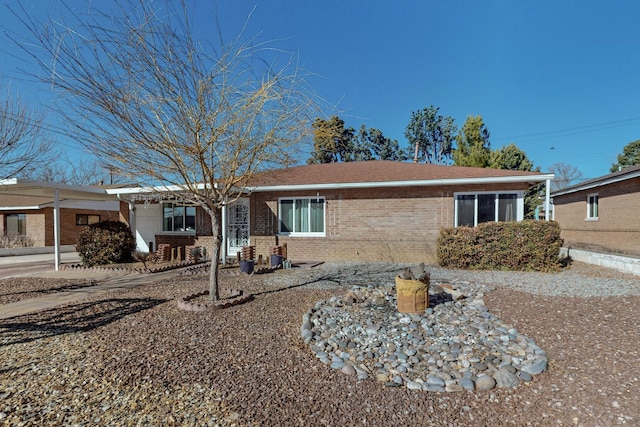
[[69, 231], [182, 241], [36, 228], [40, 223], [398, 224], [617, 229]]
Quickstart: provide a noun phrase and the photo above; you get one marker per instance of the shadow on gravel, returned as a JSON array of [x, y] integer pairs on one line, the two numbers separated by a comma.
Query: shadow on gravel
[[69, 287], [344, 276], [69, 319]]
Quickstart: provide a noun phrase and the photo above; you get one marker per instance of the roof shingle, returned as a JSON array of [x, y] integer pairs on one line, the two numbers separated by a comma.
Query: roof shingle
[[375, 171]]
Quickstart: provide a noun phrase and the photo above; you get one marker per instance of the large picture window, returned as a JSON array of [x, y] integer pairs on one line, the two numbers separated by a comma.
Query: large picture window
[[473, 209], [177, 217], [301, 216]]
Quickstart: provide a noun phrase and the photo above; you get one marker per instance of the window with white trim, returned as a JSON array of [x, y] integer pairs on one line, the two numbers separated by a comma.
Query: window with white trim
[[177, 217], [592, 206], [15, 224], [474, 208], [301, 216]]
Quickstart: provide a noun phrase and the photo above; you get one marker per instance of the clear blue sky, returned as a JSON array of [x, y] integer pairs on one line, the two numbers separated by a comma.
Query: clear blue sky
[[557, 78]]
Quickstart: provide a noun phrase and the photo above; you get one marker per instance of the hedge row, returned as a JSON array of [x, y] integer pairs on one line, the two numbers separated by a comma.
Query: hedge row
[[528, 245]]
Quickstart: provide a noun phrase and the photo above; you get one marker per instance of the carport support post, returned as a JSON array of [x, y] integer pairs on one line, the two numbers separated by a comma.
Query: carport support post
[[56, 228]]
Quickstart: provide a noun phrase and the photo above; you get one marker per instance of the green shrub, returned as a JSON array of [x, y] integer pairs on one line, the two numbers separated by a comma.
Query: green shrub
[[527, 245], [106, 242]]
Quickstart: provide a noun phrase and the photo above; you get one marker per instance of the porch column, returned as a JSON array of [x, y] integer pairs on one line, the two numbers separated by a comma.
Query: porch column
[[223, 248], [56, 229], [547, 203]]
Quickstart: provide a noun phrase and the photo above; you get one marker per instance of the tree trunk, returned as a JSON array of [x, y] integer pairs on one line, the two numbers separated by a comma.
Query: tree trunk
[[216, 228]]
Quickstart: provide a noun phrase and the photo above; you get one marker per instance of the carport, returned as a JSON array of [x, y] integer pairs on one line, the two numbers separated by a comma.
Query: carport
[[57, 192]]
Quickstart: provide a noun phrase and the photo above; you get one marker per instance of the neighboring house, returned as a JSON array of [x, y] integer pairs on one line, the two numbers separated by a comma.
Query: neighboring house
[[600, 216], [356, 211], [31, 217]]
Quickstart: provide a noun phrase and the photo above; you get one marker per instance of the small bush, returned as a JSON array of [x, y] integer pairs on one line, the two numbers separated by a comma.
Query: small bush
[[107, 242], [527, 245], [12, 240]]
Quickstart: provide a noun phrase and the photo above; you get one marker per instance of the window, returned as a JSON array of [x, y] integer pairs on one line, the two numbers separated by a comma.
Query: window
[[301, 216], [592, 206], [16, 224], [473, 209], [178, 217], [85, 219]]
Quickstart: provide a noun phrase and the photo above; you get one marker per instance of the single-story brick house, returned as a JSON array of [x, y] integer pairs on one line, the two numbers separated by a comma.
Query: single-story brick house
[[359, 211], [600, 215]]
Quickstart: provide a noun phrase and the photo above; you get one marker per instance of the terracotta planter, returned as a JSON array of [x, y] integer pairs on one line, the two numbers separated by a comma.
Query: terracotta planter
[[412, 295]]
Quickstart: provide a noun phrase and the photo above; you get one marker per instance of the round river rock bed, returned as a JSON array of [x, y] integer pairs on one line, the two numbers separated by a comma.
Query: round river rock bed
[[456, 345]]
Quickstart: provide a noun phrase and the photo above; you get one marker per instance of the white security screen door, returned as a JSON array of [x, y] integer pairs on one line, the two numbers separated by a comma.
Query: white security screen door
[[238, 224]]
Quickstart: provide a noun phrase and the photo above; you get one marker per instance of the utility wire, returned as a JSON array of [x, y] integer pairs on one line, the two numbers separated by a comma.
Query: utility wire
[[573, 130]]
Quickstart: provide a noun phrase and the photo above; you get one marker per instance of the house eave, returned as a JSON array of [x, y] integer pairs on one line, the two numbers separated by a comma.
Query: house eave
[[411, 183], [596, 184], [19, 208], [167, 189], [20, 187]]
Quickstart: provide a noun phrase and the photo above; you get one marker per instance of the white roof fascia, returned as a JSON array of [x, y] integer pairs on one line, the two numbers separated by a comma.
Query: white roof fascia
[[20, 208], [143, 190], [592, 185], [53, 185], [377, 184], [157, 189], [413, 183]]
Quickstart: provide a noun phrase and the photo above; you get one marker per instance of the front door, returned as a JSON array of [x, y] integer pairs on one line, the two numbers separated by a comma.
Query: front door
[[238, 223]]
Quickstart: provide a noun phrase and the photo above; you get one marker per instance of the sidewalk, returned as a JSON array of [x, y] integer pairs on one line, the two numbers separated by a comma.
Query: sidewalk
[[65, 257], [108, 282]]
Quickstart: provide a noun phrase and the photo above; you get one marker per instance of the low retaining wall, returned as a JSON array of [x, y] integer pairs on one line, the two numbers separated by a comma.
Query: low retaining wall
[[616, 262]]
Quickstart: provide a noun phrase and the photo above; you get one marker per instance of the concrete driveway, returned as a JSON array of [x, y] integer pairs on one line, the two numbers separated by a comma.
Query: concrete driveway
[[37, 264]]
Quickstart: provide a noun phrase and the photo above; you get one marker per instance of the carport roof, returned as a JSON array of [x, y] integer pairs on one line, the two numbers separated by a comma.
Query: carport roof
[[27, 188]]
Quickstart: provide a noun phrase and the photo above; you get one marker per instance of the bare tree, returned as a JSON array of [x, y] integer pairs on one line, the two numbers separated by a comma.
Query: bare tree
[[565, 175], [76, 172], [23, 143], [195, 117]]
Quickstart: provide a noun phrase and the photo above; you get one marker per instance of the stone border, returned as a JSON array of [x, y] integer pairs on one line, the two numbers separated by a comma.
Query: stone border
[[493, 370], [237, 297], [105, 269]]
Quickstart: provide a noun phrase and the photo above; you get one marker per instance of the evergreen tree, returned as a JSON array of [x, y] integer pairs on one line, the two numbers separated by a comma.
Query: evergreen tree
[[385, 148], [473, 146], [630, 156], [332, 141], [431, 135], [511, 158]]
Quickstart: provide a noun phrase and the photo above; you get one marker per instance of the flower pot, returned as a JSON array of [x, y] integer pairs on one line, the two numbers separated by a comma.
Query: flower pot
[[412, 295], [246, 266], [276, 260]]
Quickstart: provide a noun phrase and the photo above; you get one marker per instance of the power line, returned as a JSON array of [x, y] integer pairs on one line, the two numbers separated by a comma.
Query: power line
[[573, 130]]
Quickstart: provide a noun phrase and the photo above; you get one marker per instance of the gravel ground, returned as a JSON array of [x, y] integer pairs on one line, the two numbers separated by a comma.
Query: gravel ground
[[134, 358]]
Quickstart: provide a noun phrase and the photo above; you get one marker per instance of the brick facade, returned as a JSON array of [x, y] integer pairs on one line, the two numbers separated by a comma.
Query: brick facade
[[202, 237], [374, 224], [617, 229], [40, 223]]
